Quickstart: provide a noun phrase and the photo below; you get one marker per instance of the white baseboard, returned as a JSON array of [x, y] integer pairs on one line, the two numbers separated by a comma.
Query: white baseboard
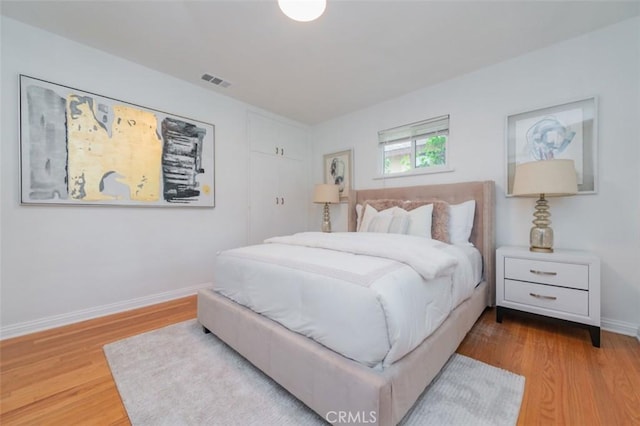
[[99, 311], [20, 329], [620, 327]]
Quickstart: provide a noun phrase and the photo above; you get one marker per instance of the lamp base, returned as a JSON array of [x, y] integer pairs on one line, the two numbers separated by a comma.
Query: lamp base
[[541, 235], [326, 222], [541, 250]]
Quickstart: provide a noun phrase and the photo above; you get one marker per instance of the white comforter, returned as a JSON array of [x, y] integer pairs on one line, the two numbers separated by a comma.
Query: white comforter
[[371, 297]]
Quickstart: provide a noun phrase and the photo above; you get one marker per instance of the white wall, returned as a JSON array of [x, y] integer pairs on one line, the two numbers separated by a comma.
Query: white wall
[[60, 264], [605, 63], [66, 263]]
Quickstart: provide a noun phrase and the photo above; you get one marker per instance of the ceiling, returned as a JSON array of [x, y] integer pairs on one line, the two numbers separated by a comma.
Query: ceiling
[[357, 54]]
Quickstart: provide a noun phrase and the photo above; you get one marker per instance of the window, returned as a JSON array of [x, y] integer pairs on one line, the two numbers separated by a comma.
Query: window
[[415, 147]]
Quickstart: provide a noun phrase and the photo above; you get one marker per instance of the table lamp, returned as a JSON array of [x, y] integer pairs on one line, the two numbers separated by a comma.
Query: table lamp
[[547, 178], [327, 194]]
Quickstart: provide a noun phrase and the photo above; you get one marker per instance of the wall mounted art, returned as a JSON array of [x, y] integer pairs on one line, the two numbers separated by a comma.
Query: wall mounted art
[[79, 148], [337, 171], [565, 131]]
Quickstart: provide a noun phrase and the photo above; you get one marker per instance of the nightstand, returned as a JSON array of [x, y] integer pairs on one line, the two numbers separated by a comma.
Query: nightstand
[[563, 285]]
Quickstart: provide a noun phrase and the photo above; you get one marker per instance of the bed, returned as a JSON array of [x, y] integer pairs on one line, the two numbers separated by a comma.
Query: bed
[[331, 383]]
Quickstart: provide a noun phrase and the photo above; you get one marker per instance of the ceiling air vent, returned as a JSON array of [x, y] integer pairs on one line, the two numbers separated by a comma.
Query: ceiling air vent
[[215, 80]]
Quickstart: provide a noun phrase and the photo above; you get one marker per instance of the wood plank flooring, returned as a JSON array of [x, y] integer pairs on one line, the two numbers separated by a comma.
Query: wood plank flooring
[[61, 376], [568, 381]]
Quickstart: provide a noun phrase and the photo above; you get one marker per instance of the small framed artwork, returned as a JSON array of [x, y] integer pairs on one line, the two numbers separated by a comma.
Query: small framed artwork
[[338, 171], [565, 131]]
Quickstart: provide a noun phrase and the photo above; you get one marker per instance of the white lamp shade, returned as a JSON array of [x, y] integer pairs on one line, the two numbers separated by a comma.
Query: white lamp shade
[[303, 10], [552, 178], [326, 193]]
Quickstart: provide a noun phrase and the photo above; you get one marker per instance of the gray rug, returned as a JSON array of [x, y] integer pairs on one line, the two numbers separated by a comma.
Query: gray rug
[[178, 375]]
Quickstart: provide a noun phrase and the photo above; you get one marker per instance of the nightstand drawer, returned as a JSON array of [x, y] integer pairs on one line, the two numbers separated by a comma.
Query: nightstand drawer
[[549, 297], [570, 275]]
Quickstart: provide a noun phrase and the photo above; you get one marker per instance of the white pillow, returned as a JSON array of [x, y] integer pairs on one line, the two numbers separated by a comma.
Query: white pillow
[[379, 223], [390, 224], [419, 220], [399, 224], [370, 213], [461, 221], [416, 222]]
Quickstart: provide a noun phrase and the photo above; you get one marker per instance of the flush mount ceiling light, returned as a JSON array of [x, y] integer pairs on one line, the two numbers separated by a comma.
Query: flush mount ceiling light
[[303, 10]]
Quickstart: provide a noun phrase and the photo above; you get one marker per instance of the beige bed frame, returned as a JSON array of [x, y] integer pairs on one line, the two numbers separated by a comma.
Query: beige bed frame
[[333, 385]]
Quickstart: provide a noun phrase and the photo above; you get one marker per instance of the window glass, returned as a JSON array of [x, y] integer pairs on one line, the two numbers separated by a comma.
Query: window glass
[[397, 157], [415, 146], [431, 151]]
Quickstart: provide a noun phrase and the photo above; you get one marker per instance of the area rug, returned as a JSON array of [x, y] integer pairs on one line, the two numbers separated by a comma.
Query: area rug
[[179, 375]]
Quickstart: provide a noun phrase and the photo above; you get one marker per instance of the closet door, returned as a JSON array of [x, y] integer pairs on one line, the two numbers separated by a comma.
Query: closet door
[[277, 197], [278, 178], [264, 197], [293, 142], [263, 134], [294, 206], [278, 138]]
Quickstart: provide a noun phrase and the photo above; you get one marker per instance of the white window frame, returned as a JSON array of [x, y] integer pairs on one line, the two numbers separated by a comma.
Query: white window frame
[[411, 133]]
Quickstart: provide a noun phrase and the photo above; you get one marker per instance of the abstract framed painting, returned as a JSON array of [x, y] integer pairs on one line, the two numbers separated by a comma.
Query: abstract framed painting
[[338, 171], [565, 131], [80, 148]]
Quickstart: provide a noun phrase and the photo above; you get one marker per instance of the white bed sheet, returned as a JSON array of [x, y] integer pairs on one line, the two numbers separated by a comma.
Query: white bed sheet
[[370, 309], [464, 290]]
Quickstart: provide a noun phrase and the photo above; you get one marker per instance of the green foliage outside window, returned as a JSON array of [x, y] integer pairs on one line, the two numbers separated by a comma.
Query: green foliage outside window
[[432, 152], [405, 162], [416, 147], [423, 152]]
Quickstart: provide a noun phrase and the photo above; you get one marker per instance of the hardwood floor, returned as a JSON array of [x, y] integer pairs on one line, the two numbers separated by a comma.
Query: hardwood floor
[[61, 376], [568, 381]]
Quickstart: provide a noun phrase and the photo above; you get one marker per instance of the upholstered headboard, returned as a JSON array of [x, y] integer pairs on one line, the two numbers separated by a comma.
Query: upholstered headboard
[[483, 233]]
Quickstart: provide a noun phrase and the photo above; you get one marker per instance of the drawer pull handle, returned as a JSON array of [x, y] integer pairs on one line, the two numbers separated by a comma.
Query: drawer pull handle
[[533, 271], [540, 296]]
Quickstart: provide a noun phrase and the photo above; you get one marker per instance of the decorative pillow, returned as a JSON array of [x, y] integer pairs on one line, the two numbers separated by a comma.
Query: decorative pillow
[[379, 223], [440, 221], [419, 223], [358, 215], [369, 214], [461, 221], [393, 224], [399, 224], [384, 204]]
